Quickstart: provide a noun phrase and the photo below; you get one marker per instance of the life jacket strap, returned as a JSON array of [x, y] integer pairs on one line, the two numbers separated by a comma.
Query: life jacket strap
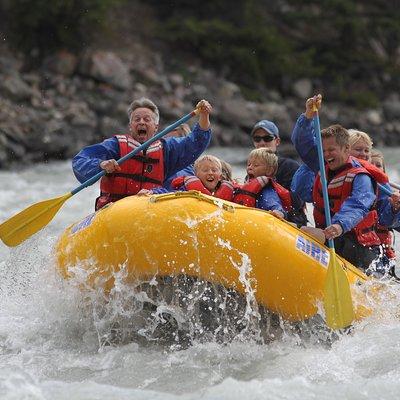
[[145, 159], [135, 177], [245, 192]]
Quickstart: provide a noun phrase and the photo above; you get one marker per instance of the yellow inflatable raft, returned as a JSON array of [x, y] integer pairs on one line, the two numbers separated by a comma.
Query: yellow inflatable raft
[[192, 234]]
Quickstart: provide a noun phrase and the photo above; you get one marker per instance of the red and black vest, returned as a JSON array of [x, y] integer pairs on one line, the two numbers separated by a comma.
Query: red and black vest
[[339, 189], [248, 193], [144, 170], [224, 189]]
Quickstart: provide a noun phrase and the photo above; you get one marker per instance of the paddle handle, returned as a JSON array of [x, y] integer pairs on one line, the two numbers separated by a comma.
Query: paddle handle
[[394, 185], [143, 146], [323, 175], [385, 189]]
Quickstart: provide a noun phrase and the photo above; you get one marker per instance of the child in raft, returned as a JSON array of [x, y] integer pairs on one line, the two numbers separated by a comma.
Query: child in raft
[[227, 171], [261, 189], [378, 160], [207, 179], [361, 147], [385, 234]]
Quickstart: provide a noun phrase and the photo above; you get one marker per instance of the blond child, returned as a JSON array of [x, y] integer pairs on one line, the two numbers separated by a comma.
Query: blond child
[[261, 189], [226, 171], [207, 179]]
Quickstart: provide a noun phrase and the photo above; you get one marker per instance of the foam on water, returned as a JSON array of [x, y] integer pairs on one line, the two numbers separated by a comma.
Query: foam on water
[[52, 333]]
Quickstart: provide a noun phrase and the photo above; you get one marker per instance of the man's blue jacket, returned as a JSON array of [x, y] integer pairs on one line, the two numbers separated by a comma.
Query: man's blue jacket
[[355, 208], [178, 154]]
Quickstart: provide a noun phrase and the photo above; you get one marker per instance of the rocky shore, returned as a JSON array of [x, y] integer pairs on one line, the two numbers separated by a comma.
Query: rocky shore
[[52, 111]]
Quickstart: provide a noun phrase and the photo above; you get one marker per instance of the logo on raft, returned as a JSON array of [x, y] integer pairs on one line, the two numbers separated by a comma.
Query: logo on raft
[[314, 251], [83, 224]]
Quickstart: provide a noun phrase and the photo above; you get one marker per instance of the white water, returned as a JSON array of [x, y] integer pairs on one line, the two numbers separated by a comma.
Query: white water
[[49, 347]]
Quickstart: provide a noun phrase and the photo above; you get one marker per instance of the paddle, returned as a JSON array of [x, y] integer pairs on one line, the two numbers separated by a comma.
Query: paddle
[[27, 222], [337, 296], [385, 189]]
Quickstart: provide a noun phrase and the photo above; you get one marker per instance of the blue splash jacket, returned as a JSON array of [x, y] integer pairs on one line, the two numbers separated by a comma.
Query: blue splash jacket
[[178, 153], [357, 205]]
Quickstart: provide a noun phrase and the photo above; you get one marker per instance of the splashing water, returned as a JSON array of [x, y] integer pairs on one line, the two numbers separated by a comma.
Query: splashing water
[[55, 338]]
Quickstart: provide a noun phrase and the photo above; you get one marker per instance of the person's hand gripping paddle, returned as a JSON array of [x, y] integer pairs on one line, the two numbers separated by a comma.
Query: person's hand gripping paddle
[[338, 303], [27, 222]]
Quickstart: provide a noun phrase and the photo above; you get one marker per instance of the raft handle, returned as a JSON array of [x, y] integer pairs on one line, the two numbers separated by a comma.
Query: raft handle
[[196, 195]]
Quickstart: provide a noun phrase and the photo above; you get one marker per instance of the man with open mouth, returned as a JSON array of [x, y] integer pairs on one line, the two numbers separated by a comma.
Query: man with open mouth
[[351, 189], [149, 168]]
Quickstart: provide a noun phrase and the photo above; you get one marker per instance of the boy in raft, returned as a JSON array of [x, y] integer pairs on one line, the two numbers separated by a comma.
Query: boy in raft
[[261, 189], [207, 179], [265, 134]]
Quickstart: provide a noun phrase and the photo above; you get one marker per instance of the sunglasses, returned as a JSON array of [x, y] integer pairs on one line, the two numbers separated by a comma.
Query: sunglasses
[[268, 138]]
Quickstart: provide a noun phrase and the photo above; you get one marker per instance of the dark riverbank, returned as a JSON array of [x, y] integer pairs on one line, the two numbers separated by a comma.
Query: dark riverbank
[[51, 111]]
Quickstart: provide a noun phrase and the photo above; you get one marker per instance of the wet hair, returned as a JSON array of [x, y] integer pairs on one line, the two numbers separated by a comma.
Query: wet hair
[[226, 171], [356, 135], [267, 155], [378, 154], [144, 102], [207, 157], [337, 131]]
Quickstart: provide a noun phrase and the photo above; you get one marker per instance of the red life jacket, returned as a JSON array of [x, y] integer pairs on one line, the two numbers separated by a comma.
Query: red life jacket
[[224, 189], [284, 195], [248, 193], [379, 175], [386, 237], [145, 170], [339, 189]]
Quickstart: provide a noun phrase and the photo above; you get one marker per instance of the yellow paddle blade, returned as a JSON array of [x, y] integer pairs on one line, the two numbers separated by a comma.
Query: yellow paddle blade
[[27, 222], [337, 300]]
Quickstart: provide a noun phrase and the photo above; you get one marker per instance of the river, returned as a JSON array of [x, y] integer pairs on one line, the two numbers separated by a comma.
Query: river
[[49, 347]]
